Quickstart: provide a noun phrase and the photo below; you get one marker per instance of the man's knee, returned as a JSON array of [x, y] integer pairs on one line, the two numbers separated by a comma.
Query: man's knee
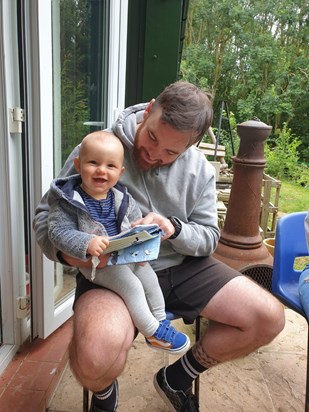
[[102, 336], [271, 320], [84, 362], [97, 368]]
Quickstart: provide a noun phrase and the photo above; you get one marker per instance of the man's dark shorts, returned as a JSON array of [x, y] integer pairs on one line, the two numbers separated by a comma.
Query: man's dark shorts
[[187, 288]]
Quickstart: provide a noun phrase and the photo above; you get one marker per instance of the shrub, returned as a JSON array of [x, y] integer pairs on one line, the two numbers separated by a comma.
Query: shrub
[[282, 158]]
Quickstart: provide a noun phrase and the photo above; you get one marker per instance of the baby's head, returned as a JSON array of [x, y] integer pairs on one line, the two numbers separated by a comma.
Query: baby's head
[[102, 141], [100, 162]]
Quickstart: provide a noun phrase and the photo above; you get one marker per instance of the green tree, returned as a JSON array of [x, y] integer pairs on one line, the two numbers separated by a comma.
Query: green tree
[[74, 40], [254, 54]]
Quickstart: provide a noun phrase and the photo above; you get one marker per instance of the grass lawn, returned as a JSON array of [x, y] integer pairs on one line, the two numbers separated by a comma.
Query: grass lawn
[[293, 198]]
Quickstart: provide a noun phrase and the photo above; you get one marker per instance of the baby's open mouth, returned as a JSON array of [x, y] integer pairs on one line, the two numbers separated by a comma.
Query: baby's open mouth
[[99, 179]]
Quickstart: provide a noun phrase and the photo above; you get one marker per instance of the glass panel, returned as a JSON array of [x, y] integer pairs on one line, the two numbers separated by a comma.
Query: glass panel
[[80, 75]]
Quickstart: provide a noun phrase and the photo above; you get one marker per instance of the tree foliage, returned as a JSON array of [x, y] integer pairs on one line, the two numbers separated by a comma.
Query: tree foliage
[[74, 50], [254, 54], [282, 159]]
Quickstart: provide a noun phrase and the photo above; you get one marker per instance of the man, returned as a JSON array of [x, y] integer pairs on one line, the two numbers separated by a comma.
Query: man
[[175, 187]]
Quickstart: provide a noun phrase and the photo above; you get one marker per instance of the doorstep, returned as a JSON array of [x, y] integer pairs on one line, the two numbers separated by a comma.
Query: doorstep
[[29, 381]]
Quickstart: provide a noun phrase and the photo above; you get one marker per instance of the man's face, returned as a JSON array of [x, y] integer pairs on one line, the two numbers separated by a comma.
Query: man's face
[[157, 143]]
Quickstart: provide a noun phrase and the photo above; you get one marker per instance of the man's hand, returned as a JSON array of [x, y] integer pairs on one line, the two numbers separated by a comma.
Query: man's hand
[[163, 222], [97, 245]]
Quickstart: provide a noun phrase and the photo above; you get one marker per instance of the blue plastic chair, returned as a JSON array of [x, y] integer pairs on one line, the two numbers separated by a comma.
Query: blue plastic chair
[[290, 243]]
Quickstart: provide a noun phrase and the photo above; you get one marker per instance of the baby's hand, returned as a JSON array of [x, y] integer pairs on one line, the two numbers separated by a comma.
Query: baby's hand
[[97, 245]]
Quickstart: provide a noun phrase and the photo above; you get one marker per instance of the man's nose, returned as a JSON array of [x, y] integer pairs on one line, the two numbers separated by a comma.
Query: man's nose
[[156, 153]]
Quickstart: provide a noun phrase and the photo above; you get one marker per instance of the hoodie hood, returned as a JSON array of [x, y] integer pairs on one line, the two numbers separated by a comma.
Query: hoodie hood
[[125, 125], [64, 187]]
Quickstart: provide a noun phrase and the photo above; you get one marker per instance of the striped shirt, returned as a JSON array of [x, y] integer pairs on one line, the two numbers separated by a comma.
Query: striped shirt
[[102, 211]]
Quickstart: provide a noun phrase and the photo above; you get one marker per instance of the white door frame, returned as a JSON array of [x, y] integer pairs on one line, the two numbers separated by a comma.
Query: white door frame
[[12, 248]]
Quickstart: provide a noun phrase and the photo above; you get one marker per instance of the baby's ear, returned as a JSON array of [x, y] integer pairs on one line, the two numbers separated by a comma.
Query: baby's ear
[[76, 164]]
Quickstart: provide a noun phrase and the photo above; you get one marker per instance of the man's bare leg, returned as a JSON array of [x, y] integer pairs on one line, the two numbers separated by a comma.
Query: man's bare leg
[[245, 317], [103, 333]]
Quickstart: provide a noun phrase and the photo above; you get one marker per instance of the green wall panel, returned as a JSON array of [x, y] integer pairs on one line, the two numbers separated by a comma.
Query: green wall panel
[[155, 36], [162, 42]]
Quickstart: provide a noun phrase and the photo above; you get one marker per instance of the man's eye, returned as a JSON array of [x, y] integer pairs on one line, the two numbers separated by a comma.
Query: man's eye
[[151, 136], [92, 162]]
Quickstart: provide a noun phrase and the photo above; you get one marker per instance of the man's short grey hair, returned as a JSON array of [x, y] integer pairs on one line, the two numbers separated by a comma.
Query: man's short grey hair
[[185, 107]]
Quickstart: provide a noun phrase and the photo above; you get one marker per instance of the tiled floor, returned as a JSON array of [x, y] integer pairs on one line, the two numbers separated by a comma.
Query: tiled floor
[[29, 381], [269, 380]]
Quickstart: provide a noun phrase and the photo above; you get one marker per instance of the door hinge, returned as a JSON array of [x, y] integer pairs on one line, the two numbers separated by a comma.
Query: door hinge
[[22, 306], [17, 117]]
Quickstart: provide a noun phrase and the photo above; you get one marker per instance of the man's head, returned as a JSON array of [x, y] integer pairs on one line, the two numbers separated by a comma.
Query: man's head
[[176, 120], [100, 163], [185, 107]]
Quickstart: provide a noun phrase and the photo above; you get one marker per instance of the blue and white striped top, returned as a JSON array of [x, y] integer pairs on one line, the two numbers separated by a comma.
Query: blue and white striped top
[[102, 211]]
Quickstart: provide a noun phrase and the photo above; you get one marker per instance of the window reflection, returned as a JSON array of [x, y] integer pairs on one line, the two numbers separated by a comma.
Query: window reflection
[[80, 78]]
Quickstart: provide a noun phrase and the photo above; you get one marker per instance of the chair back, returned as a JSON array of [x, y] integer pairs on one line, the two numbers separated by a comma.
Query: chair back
[[290, 243]]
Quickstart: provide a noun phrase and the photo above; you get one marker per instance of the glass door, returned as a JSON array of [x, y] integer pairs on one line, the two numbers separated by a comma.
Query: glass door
[[79, 56]]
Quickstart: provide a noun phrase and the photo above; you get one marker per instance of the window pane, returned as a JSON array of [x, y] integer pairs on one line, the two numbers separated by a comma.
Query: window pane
[[80, 78], [80, 54]]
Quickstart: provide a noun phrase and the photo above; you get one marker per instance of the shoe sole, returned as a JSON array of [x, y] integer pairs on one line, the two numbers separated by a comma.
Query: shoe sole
[[179, 351], [162, 395]]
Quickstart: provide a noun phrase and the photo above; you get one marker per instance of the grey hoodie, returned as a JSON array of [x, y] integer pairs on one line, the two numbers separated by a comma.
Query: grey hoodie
[[185, 189]]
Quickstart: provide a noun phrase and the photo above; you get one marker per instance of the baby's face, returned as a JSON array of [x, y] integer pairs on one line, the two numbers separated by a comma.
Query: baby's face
[[100, 166]]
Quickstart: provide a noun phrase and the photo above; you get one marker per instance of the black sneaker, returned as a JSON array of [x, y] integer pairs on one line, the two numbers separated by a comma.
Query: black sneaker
[[179, 401], [95, 408]]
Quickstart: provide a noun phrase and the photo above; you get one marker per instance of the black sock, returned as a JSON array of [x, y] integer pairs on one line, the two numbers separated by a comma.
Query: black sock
[[181, 374], [107, 398]]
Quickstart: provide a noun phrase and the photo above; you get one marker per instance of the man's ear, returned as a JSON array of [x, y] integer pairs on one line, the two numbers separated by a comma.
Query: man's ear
[[148, 108], [122, 170], [76, 164]]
